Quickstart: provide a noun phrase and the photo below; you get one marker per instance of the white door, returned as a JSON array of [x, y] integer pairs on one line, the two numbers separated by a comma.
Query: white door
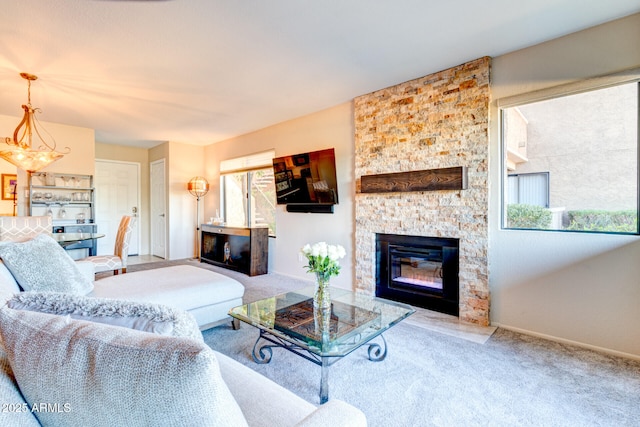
[[158, 210], [117, 193]]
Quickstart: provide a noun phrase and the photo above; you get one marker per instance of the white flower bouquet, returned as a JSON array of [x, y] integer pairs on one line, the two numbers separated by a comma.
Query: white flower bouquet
[[323, 259]]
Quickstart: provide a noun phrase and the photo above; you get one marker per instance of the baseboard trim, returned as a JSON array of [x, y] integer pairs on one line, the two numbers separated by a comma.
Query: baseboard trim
[[569, 342]]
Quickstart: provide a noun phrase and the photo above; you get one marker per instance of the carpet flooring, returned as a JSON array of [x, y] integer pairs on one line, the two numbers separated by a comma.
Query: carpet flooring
[[433, 379]]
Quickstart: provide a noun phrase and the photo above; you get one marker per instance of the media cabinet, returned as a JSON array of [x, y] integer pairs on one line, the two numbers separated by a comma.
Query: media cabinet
[[237, 248]]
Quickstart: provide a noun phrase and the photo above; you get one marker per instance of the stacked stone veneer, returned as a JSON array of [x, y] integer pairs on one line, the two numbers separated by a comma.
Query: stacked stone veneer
[[437, 121]]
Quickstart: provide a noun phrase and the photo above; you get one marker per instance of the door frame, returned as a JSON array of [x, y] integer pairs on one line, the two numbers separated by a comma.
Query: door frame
[[139, 213]]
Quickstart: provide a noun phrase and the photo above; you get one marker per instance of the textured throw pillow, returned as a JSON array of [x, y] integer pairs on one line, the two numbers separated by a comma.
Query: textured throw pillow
[[101, 375], [147, 317], [40, 264], [14, 412], [8, 284]]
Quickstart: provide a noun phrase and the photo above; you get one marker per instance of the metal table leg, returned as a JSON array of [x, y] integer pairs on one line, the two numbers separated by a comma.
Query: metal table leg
[[378, 353], [262, 354], [324, 380]]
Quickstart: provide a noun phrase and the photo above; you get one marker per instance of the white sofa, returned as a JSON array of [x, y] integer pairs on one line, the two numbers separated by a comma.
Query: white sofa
[[260, 401], [207, 295]]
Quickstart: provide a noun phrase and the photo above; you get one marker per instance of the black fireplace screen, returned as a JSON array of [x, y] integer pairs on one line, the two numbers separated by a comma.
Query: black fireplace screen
[[417, 267], [421, 271]]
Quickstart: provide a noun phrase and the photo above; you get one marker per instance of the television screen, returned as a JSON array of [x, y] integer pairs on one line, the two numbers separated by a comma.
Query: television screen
[[306, 178]]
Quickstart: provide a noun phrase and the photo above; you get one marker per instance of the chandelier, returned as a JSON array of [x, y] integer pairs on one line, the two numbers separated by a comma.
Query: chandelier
[[21, 152]]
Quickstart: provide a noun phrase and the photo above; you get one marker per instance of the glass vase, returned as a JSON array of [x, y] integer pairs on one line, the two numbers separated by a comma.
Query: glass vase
[[322, 296]]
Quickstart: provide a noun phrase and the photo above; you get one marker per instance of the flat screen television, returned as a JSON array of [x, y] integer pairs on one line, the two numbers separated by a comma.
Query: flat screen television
[[306, 178]]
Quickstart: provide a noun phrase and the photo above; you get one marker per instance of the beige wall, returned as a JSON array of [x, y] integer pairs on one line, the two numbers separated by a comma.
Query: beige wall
[[570, 286], [6, 206], [184, 162], [7, 126], [132, 155], [326, 129]]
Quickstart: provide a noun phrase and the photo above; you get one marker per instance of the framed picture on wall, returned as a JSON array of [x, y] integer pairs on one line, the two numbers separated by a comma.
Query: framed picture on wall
[[9, 183]]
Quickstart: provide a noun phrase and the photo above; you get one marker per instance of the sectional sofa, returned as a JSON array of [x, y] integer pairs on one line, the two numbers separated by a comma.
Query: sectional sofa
[[76, 352], [208, 296]]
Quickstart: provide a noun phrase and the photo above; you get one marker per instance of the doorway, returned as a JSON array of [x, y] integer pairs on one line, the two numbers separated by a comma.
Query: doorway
[[158, 209], [117, 187]]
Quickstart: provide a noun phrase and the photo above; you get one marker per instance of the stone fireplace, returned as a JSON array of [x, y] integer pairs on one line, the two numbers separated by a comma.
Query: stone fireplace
[[438, 121]]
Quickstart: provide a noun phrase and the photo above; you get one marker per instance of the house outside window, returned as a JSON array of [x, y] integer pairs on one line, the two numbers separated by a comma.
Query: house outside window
[[571, 161], [248, 196]]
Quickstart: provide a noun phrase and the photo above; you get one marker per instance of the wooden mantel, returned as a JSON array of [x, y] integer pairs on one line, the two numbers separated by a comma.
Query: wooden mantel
[[454, 178]]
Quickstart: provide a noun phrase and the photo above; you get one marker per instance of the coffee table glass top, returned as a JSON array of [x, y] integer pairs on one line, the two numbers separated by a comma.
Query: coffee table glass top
[[353, 320], [75, 237], [68, 239]]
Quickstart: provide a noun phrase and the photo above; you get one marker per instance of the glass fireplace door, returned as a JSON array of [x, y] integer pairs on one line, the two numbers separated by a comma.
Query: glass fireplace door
[[416, 267]]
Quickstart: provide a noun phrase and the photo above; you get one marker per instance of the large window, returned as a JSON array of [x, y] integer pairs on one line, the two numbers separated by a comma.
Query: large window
[[571, 161], [248, 196]]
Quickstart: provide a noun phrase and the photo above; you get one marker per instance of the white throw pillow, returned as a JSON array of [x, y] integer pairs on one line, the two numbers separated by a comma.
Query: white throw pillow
[[146, 317], [40, 264], [90, 374]]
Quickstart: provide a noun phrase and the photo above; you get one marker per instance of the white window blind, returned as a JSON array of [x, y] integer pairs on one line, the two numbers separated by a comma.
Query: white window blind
[[247, 163]]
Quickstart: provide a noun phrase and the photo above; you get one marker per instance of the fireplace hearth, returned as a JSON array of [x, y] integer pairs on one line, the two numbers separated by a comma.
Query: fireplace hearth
[[417, 270]]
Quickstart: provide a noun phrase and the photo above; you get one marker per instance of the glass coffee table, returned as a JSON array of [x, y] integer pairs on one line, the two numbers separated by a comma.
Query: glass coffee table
[[322, 336], [68, 239]]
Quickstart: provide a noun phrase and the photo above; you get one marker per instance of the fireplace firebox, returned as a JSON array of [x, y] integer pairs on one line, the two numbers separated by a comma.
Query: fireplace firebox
[[417, 270]]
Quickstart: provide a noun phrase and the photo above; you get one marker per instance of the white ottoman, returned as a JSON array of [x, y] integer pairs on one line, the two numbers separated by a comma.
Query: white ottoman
[[207, 295]]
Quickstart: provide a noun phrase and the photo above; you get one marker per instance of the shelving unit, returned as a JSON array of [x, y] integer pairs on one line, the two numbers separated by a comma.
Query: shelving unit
[[68, 198]]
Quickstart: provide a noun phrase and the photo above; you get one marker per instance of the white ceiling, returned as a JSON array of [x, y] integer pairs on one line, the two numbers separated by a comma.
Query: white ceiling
[[201, 71]]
